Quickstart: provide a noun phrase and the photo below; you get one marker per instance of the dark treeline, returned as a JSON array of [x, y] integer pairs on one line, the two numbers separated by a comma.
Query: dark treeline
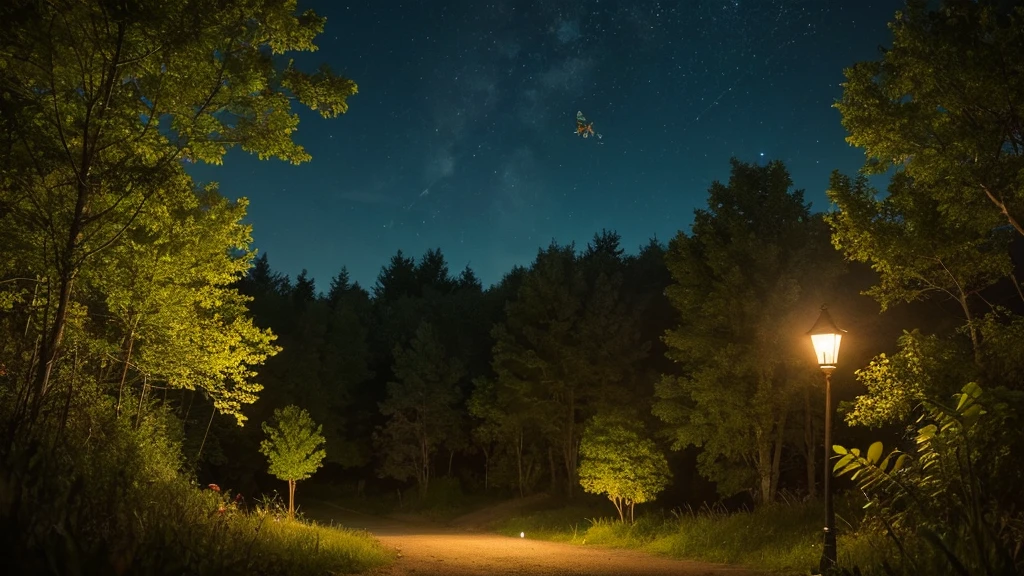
[[427, 374], [412, 377]]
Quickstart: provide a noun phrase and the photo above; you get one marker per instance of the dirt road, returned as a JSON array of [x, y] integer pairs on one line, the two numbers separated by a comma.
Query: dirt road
[[427, 549]]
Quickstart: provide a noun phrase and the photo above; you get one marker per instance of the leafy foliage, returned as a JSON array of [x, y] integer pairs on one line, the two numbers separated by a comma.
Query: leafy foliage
[[617, 461], [102, 102], [169, 283], [752, 263], [293, 446], [941, 107], [917, 247], [420, 408], [924, 367], [939, 492]]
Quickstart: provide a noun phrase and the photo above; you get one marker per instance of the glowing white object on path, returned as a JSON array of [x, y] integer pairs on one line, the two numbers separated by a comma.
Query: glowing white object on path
[[522, 534]]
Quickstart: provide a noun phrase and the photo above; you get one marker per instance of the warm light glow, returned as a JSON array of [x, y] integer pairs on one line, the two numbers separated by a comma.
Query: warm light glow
[[826, 348], [522, 534], [826, 337]]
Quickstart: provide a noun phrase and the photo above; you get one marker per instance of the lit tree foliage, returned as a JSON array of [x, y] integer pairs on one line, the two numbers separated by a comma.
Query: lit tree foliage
[[917, 249], [101, 102], [941, 111], [617, 461], [943, 105], [741, 279], [293, 447], [924, 367], [169, 283]]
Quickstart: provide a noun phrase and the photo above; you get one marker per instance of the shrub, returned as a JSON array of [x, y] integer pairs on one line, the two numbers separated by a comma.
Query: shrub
[[104, 495]]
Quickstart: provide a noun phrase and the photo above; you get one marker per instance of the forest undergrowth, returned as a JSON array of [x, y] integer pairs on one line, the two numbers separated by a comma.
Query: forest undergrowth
[[109, 495], [783, 538]]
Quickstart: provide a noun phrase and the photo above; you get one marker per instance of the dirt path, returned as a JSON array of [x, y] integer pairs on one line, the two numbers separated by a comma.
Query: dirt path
[[427, 549]]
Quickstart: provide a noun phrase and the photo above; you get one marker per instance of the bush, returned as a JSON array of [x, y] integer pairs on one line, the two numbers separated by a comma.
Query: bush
[[939, 502], [103, 494]]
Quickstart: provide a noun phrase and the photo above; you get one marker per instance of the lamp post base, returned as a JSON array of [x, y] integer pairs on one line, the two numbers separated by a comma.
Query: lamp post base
[[828, 552]]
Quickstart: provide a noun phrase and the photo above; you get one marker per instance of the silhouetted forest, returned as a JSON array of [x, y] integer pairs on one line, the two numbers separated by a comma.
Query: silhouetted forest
[[419, 376]]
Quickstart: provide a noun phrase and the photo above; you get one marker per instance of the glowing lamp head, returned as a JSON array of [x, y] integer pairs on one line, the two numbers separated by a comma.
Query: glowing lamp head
[[826, 337]]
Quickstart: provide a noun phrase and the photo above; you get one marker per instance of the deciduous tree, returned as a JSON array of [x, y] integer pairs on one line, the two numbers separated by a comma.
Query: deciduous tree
[[619, 462], [918, 249], [293, 447], [943, 105], [168, 285], [742, 280], [102, 101], [420, 408]]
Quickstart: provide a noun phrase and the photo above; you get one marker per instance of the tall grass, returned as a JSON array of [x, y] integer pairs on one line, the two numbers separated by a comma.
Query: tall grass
[[184, 530], [783, 538], [568, 524], [107, 497]]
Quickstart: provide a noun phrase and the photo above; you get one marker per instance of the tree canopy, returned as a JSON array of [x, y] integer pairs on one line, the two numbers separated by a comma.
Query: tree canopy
[[293, 447], [104, 101], [619, 462], [942, 105], [752, 263], [420, 408]]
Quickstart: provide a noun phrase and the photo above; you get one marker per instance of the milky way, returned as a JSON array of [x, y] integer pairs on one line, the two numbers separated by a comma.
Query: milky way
[[463, 134]]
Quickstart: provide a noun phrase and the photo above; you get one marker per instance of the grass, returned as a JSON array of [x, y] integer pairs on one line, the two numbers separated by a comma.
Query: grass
[[782, 538], [99, 493], [116, 512], [177, 528], [309, 548], [263, 540]]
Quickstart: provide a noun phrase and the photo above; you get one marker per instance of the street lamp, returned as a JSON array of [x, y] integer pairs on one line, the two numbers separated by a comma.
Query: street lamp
[[826, 337]]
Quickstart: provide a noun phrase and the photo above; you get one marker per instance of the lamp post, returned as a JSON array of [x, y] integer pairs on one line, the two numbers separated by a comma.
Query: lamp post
[[826, 337]]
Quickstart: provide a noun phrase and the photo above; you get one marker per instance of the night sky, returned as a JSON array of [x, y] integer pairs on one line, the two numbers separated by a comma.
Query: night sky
[[463, 136]]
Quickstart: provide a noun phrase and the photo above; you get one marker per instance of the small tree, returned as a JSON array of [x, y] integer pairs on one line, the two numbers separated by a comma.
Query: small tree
[[293, 447], [619, 462]]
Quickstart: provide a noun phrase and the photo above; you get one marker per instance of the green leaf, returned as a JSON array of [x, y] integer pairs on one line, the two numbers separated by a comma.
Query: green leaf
[[900, 462], [885, 461], [843, 462]]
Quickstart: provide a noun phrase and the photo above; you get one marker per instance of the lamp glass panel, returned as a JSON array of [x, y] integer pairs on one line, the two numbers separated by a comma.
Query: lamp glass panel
[[826, 348]]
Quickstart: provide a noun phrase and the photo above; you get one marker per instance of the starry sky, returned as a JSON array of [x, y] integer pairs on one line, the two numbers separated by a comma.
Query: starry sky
[[463, 137]]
